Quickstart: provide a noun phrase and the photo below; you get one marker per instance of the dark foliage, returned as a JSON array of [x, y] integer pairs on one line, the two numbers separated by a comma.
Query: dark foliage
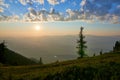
[[40, 62], [116, 48], [101, 52], [81, 44], [9, 57], [105, 72], [2, 52]]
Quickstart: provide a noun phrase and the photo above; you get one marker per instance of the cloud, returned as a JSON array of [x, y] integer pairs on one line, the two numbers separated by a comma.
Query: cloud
[[82, 4], [32, 11], [13, 18], [3, 6], [55, 17], [115, 19], [2, 3], [40, 1], [25, 2], [72, 15], [101, 10], [31, 15], [42, 15], [53, 2], [1, 9], [62, 1], [118, 6], [87, 10]]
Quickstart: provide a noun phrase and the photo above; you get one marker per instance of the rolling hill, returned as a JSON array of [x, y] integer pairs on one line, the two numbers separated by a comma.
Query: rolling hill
[[103, 67]]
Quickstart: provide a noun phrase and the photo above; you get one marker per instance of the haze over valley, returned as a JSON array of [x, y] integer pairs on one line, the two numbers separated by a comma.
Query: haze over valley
[[53, 48]]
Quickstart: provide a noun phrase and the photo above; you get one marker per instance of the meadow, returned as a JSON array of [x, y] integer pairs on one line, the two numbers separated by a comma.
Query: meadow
[[102, 67]]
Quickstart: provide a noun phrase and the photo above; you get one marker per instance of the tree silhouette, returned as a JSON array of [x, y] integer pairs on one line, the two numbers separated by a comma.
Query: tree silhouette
[[94, 54], [116, 48], [101, 52], [2, 52], [81, 44], [40, 62]]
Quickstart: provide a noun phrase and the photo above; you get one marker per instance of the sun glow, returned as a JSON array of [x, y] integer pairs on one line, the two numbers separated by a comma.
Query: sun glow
[[37, 28]]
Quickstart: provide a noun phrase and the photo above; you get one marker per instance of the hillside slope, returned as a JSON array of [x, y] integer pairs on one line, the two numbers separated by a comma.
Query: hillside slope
[[104, 67], [13, 58]]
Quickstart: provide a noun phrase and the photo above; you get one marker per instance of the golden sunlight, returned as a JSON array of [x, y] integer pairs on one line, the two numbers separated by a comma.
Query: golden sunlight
[[37, 28]]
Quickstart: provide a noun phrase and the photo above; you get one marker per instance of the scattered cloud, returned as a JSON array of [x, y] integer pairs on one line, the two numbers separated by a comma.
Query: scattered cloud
[[115, 19], [1, 9], [3, 5], [24, 2], [62, 1], [14, 18], [86, 10], [40, 1], [53, 2], [42, 15], [82, 4]]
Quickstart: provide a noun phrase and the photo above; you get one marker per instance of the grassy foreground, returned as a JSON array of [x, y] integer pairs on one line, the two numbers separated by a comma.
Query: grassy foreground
[[104, 67]]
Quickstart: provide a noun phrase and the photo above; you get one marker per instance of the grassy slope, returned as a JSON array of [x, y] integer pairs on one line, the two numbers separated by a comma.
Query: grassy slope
[[104, 67]]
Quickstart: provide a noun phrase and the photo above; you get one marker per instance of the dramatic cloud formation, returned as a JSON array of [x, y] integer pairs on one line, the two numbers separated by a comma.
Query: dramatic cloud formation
[[42, 15], [61, 10]]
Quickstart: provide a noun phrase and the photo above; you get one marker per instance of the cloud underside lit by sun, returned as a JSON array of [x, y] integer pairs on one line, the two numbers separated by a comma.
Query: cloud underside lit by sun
[[60, 10]]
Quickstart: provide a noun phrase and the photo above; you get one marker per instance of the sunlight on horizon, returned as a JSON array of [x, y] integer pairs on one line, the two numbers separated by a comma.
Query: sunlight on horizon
[[37, 28], [57, 28]]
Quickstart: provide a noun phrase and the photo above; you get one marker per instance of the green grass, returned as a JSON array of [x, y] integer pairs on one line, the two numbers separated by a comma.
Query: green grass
[[104, 67]]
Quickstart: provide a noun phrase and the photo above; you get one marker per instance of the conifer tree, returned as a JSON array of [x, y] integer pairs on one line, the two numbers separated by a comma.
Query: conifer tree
[[40, 62], [94, 54], [81, 44], [117, 47], [101, 52]]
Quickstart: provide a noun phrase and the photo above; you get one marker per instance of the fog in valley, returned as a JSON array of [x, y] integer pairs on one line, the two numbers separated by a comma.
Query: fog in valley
[[53, 48]]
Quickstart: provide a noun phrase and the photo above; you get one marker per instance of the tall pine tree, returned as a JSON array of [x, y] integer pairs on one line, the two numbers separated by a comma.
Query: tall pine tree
[[81, 44]]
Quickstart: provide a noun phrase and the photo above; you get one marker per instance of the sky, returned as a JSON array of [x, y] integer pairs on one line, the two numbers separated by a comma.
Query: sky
[[59, 17]]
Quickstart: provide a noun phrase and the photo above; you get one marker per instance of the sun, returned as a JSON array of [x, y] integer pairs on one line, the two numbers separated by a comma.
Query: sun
[[37, 28]]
